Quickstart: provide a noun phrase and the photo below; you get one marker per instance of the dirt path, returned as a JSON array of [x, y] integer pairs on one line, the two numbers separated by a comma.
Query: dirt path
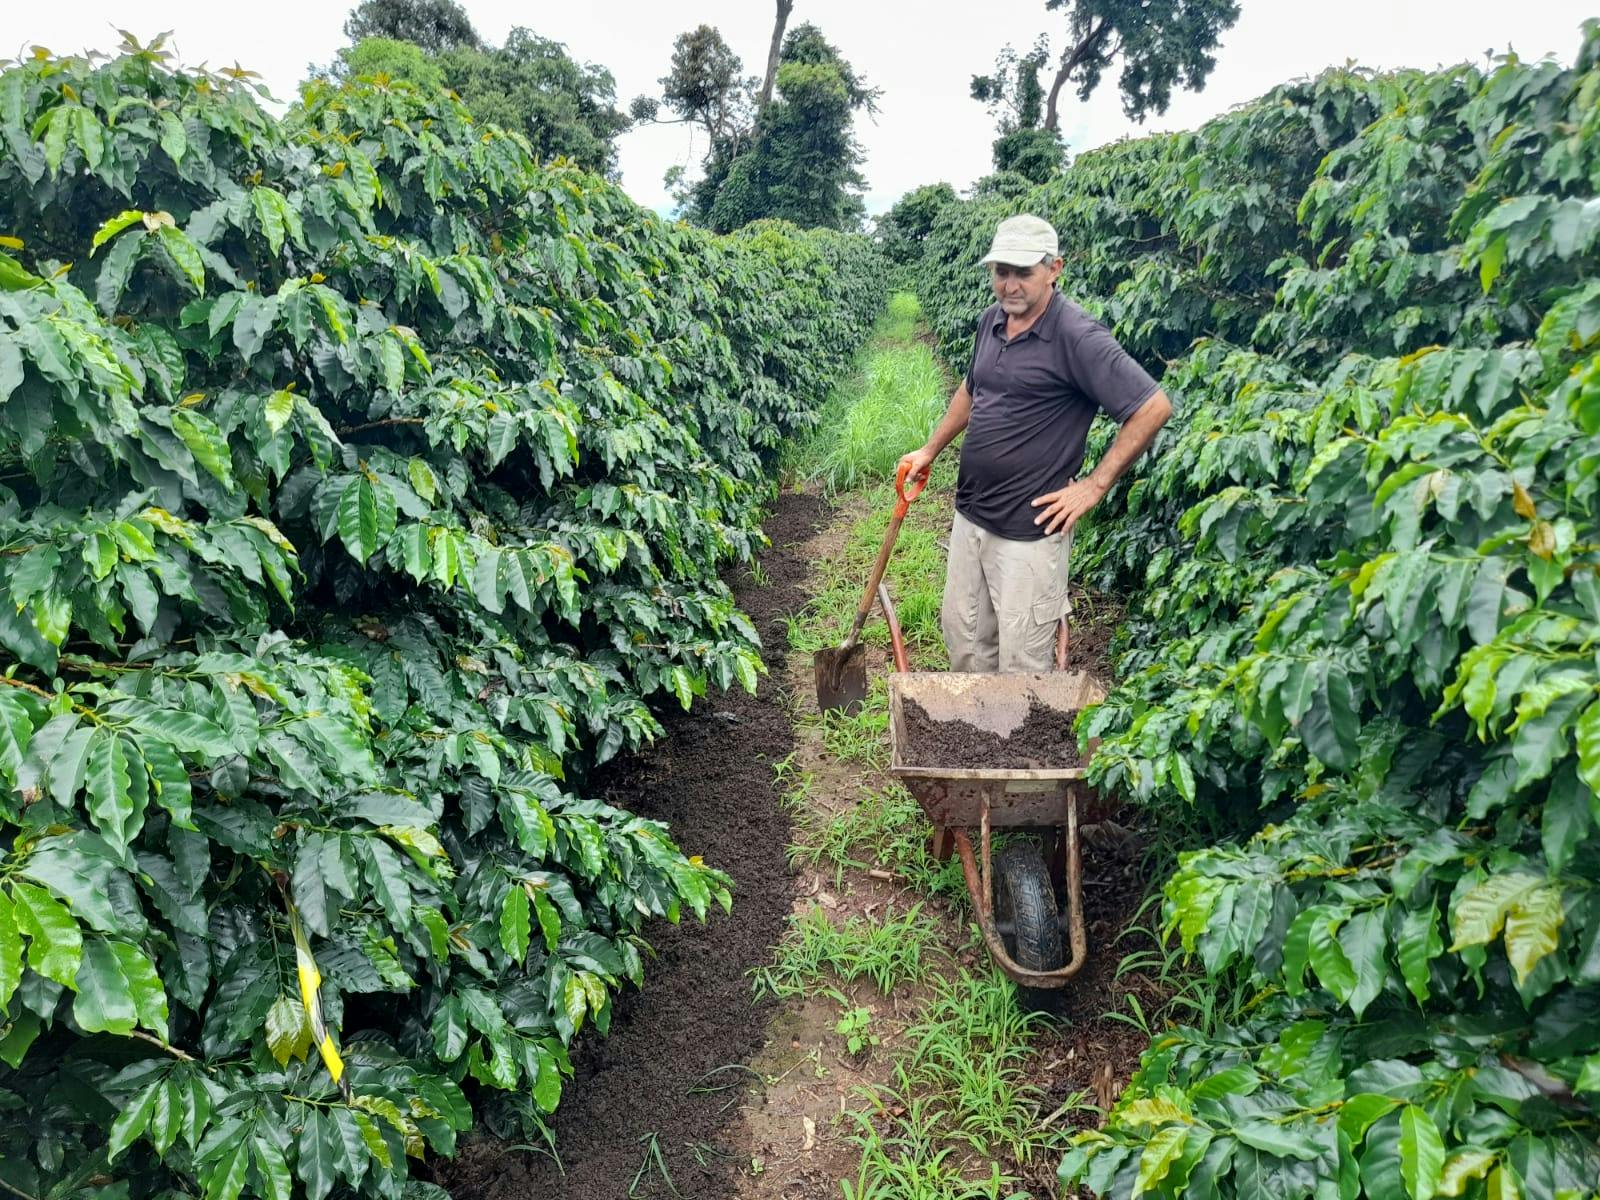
[[809, 1123], [711, 780], [784, 1110]]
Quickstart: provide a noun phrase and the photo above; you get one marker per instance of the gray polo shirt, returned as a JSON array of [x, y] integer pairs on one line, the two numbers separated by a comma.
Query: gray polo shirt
[[1033, 400]]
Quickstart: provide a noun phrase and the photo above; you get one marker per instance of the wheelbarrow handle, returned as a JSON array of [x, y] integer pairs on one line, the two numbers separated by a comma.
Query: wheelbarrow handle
[[902, 505]]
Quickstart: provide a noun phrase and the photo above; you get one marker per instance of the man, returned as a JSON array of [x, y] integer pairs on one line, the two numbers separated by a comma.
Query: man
[[1041, 369]]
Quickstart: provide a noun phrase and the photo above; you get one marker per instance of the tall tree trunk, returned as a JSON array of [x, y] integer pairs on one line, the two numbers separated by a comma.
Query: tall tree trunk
[[785, 7], [1069, 63]]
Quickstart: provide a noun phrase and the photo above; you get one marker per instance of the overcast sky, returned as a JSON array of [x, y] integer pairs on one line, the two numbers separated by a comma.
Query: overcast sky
[[921, 54]]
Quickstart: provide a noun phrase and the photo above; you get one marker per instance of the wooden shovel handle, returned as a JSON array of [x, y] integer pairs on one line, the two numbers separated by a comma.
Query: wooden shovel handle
[[901, 507]]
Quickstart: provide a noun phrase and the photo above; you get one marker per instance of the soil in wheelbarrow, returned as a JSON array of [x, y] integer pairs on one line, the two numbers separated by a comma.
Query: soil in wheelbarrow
[[1044, 740], [634, 1092]]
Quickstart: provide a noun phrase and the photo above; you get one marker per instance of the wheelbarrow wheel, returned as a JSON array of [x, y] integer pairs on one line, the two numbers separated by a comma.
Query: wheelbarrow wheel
[[1025, 909]]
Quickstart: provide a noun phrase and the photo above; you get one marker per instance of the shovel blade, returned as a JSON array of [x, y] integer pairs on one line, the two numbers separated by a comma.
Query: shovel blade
[[841, 676]]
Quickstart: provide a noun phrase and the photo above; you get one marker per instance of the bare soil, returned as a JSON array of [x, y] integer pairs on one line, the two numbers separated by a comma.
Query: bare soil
[[1044, 739], [710, 778], [1091, 627]]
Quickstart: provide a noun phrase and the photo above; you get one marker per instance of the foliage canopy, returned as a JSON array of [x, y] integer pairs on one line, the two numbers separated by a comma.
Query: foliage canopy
[[434, 25], [364, 485], [530, 84], [1365, 580]]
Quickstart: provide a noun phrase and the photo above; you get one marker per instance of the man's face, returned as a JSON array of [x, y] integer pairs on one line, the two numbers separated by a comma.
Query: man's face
[[1021, 289]]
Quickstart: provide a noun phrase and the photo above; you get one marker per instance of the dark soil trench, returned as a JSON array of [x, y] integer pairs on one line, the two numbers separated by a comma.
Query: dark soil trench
[[710, 779]]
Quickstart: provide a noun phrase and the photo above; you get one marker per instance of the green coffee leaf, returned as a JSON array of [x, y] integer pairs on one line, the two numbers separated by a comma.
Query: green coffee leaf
[[271, 1168], [317, 1162], [1419, 943], [113, 226], [1533, 924], [55, 944], [514, 924], [1461, 1168], [288, 1030], [133, 1120], [10, 952], [185, 256], [1160, 1152], [1281, 1141], [1421, 1153], [117, 989]]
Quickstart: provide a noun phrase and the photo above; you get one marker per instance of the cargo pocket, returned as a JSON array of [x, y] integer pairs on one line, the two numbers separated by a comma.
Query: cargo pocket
[[1052, 599]]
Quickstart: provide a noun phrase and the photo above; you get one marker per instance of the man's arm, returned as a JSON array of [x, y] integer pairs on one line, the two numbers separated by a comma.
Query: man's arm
[[954, 421], [1062, 509]]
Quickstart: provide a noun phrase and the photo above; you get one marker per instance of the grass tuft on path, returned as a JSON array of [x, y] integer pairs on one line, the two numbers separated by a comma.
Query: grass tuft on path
[[887, 407]]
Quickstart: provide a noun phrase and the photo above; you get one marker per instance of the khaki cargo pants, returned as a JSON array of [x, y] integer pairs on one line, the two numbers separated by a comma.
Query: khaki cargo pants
[[1003, 599]]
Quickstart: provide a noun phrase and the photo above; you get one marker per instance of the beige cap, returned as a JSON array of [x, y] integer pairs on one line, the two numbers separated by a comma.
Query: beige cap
[[1023, 242]]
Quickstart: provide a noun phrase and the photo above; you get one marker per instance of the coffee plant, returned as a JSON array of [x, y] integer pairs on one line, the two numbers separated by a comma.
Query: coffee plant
[[363, 483], [1364, 630]]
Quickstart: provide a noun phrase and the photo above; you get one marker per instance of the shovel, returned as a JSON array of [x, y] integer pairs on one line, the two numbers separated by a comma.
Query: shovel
[[842, 670]]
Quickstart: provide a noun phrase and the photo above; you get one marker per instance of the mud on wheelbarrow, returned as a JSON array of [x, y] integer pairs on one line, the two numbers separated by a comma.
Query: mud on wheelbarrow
[[1015, 892]]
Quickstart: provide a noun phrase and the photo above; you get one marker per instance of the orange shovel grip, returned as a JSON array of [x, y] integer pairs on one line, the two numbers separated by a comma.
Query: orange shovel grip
[[903, 504]]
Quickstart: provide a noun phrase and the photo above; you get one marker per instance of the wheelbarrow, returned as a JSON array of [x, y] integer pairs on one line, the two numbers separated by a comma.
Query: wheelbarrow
[[1028, 895]]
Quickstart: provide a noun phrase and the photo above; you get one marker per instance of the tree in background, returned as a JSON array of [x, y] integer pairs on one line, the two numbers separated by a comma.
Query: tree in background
[[1002, 185], [902, 230], [530, 84], [803, 158], [794, 158], [434, 25], [1013, 92], [1161, 44], [1034, 153], [566, 108], [1014, 95], [706, 87], [774, 53]]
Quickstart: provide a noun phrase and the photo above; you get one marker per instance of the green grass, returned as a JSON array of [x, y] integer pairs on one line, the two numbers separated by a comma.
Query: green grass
[[970, 1049], [884, 829], [909, 1165], [959, 1099], [888, 406], [893, 952], [915, 574], [860, 737]]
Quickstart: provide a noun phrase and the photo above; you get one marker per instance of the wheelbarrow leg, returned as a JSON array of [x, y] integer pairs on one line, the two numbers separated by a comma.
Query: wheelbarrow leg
[[1074, 869], [940, 845]]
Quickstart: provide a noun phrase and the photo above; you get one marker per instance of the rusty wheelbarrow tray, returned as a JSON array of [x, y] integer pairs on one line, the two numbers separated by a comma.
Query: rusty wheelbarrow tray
[[959, 799]]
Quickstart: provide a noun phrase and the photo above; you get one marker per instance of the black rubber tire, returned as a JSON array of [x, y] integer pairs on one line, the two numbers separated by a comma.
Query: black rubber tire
[[1025, 897]]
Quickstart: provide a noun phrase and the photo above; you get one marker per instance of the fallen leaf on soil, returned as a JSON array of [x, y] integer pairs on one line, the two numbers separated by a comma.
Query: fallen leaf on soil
[[811, 1133]]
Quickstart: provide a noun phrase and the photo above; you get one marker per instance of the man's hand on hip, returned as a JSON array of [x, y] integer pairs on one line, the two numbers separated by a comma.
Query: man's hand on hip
[[1062, 509]]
